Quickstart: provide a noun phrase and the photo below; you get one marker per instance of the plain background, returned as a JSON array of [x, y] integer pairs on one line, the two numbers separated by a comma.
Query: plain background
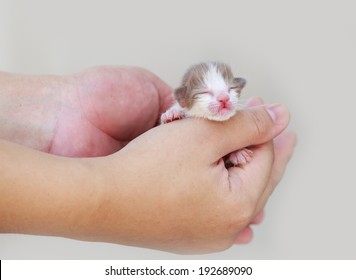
[[300, 53]]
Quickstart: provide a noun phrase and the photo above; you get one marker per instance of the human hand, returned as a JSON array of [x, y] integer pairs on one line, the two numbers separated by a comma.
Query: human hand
[[192, 203], [92, 113], [138, 196]]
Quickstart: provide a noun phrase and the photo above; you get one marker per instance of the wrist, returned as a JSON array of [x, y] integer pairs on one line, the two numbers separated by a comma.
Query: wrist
[[29, 106], [44, 194]]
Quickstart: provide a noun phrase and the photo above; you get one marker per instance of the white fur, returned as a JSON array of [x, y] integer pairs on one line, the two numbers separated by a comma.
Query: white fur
[[200, 107], [213, 79]]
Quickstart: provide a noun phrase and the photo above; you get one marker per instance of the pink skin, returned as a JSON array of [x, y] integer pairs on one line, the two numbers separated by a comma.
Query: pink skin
[[223, 98], [221, 105], [219, 108]]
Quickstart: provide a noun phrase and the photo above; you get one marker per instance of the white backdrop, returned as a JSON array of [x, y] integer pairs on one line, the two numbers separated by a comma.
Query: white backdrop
[[300, 53]]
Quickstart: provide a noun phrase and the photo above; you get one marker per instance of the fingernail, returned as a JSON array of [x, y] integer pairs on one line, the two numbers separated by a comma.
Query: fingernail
[[279, 113]]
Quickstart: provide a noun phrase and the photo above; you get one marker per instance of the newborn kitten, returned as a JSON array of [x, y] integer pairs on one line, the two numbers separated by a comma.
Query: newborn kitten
[[209, 90]]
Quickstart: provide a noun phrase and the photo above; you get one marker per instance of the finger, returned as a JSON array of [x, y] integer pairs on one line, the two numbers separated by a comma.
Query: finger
[[249, 127], [245, 236], [284, 146], [259, 218], [254, 101]]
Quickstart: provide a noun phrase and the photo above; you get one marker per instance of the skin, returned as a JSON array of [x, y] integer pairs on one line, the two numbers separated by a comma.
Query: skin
[[92, 113], [104, 178]]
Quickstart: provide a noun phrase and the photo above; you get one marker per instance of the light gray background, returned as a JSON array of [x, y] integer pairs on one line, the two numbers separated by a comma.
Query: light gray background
[[300, 53]]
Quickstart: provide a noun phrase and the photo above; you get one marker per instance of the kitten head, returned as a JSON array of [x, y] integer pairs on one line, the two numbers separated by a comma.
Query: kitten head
[[209, 90]]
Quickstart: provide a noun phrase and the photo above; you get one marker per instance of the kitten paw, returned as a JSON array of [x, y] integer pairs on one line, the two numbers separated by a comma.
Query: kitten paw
[[172, 114], [240, 157]]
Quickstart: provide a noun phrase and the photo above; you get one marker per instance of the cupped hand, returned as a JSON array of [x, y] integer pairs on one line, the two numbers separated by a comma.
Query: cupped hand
[[179, 197], [104, 108]]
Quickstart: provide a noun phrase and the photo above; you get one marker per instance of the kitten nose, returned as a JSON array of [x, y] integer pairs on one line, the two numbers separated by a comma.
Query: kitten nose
[[223, 98]]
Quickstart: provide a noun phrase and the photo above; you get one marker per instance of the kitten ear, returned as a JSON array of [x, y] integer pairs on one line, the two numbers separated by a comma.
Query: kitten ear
[[181, 96], [239, 83]]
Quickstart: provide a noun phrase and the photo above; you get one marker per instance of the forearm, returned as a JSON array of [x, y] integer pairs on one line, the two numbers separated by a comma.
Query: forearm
[[45, 194], [28, 108]]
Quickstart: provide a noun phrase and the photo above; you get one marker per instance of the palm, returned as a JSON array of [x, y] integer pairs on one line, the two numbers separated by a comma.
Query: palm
[[108, 107]]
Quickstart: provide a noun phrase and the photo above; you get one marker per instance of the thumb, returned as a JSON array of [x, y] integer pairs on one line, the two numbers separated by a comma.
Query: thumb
[[251, 126]]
